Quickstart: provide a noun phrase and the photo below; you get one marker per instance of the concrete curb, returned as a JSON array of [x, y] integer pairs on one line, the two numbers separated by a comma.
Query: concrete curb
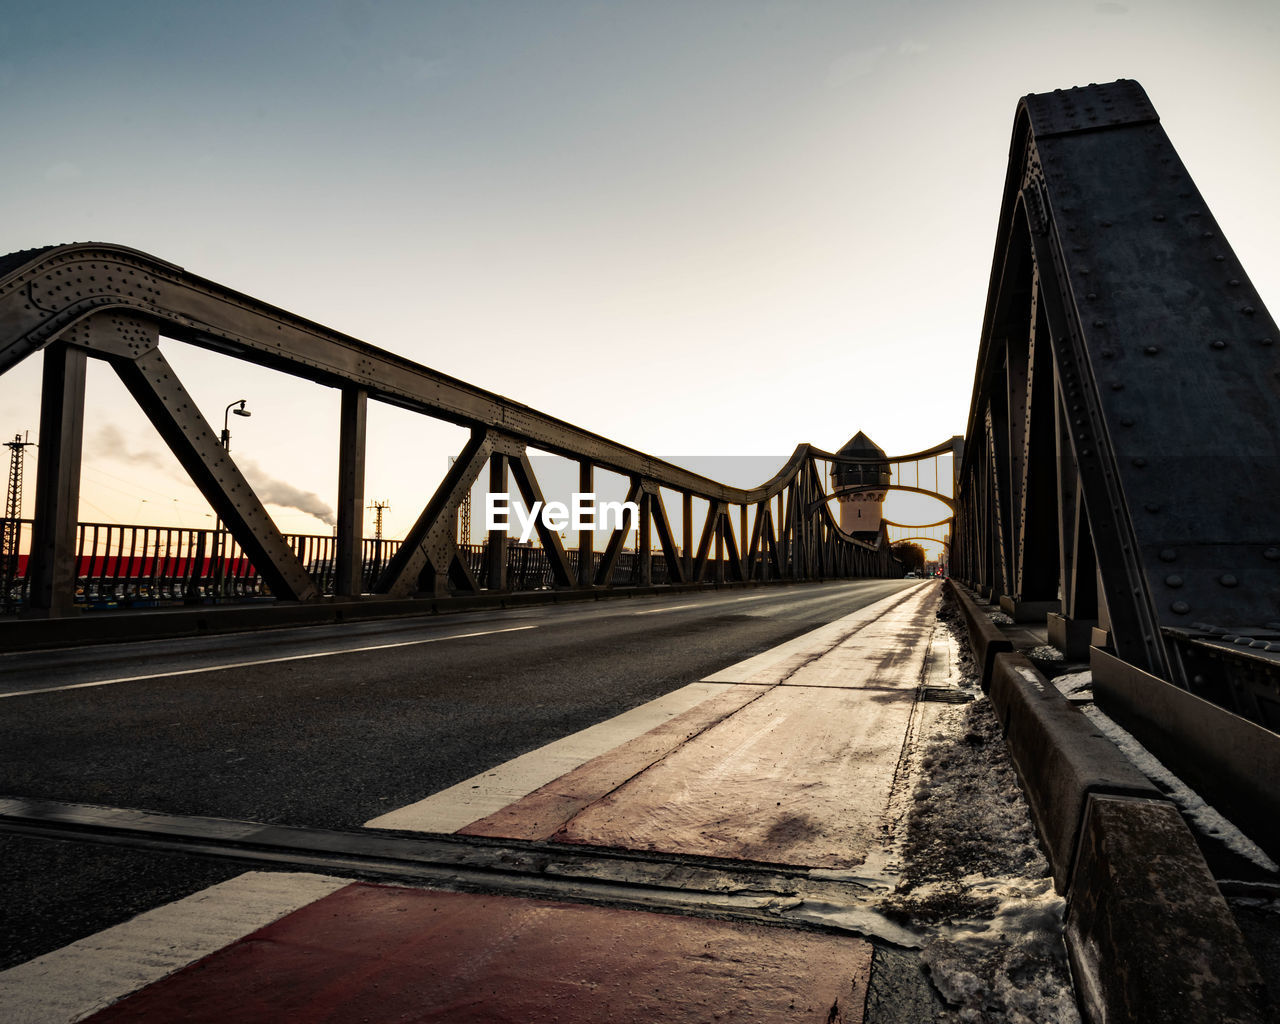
[[1149, 936], [1230, 761], [1059, 755], [984, 635]]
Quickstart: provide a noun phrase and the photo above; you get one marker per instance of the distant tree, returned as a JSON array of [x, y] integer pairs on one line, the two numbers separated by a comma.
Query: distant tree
[[910, 554]]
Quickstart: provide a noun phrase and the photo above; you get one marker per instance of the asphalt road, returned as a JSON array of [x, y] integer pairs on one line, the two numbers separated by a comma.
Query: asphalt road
[[331, 726]]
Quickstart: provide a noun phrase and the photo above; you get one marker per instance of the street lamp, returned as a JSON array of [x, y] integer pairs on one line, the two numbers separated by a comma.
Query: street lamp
[[219, 575], [226, 430]]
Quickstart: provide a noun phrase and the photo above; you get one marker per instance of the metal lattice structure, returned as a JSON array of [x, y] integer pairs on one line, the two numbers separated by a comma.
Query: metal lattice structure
[[103, 301], [1122, 458], [11, 527]]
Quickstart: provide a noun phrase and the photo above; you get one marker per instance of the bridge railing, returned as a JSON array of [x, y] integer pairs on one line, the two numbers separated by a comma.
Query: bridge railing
[[121, 565]]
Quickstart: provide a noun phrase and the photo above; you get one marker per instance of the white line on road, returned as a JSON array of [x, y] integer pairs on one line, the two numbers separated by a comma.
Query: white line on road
[[262, 661], [703, 604], [658, 611]]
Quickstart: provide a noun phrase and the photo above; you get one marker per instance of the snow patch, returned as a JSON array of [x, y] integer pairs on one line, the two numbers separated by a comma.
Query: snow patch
[[1046, 652], [1000, 618], [1075, 683]]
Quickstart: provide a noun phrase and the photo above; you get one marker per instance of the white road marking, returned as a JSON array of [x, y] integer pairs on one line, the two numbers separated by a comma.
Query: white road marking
[[71, 983], [704, 604], [484, 794], [262, 661], [673, 608]]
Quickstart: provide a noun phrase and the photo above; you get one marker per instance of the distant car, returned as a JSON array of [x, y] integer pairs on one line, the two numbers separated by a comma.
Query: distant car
[[911, 576]]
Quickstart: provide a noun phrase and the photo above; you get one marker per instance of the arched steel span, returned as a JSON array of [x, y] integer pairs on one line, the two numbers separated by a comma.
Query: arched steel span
[[110, 302], [931, 540], [951, 446], [919, 526], [860, 488]]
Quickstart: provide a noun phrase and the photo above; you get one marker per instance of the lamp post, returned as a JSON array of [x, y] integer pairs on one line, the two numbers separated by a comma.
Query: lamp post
[[219, 578]]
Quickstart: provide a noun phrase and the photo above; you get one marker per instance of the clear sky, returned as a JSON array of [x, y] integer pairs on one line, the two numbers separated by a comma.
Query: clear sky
[[706, 227]]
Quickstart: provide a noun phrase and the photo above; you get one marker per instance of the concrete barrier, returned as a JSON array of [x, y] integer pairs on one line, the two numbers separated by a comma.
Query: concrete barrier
[[1059, 756], [1232, 762], [985, 637], [1149, 935]]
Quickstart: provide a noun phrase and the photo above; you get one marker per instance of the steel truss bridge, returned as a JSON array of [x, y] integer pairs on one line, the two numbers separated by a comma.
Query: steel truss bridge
[[102, 301], [1117, 478]]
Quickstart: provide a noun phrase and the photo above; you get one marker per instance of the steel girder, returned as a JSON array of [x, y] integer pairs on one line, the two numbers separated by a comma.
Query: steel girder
[[109, 302], [1123, 456]]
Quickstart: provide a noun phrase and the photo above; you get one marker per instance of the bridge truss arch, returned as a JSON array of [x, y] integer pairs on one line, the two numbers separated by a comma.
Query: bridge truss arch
[[107, 302], [1122, 463]]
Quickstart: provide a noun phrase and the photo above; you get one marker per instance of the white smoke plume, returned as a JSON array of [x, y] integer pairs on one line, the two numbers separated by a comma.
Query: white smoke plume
[[109, 443], [277, 492]]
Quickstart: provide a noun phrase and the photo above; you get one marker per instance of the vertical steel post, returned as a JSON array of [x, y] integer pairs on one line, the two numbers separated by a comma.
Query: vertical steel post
[[349, 570], [53, 542], [644, 541], [586, 538], [497, 548], [686, 511], [721, 519]]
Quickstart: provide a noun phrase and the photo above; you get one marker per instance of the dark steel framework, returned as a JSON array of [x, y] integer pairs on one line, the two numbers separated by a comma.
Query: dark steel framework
[[1122, 459], [104, 301]]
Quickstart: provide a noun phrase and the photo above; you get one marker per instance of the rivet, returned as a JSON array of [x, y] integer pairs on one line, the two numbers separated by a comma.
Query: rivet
[[1227, 580], [1169, 555], [1108, 353], [1248, 311], [1174, 581], [1271, 554], [1152, 350], [1180, 607], [1233, 283], [1264, 341], [1099, 323], [1219, 344], [1092, 295], [1086, 453], [1219, 258], [1151, 506], [1139, 462], [1158, 216], [1117, 385], [1244, 641]]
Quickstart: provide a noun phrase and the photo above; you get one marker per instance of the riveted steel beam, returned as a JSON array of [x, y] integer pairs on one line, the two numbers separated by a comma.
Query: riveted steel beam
[[53, 542], [522, 470], [349, 570], [129, 345], [430, 544]]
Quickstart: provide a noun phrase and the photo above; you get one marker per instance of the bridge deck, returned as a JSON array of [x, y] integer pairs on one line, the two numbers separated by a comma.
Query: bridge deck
[[743, 795]]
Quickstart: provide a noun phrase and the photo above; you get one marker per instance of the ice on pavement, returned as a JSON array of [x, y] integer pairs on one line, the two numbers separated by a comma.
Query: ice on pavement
[[974, 880]]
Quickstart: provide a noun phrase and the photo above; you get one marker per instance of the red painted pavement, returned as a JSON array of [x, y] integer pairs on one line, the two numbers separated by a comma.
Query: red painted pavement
[[379, 954]]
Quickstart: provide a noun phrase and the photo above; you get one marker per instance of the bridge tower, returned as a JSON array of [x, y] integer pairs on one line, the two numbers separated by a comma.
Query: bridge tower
[[861, 511]]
